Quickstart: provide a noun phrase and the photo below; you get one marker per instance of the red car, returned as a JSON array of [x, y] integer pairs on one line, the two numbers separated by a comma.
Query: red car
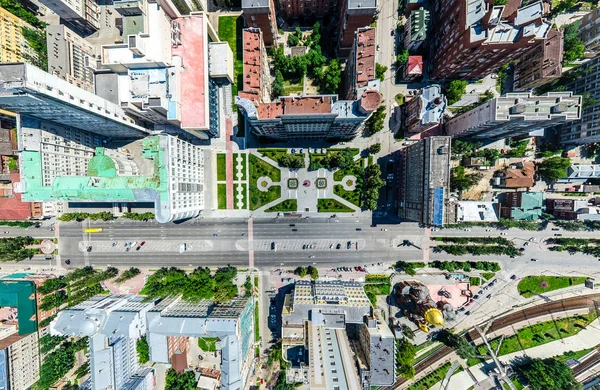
[[142, 243]]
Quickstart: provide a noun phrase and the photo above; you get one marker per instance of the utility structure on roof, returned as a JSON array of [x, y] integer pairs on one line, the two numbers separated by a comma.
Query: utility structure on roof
[[473, 38]]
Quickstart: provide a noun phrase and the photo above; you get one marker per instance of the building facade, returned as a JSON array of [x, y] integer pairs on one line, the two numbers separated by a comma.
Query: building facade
[[113, 324], [425, 111], [83, 14], [585, 81], [70, 57], [416, 29], [353, 14], [19, 359], [13, 45], [590, 32], [542, 64], [425, 181], [515, 114], [473, 38], [261, 14]]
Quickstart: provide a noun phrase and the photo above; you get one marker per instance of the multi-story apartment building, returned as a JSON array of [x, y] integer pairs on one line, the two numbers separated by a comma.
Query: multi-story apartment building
[[590, 32], [113, 324], [585, 80], [309, 117], [423, 113], [232, 323], [413, 69], [257, 78], [425, 181], [261, 14], [416, 29], [541, 64], [332, 321], [13, 45], [70, 57], [306, 9], [82, 14], [19, 347], [515, 114], [353, 14], [473, 38], [360, 67]]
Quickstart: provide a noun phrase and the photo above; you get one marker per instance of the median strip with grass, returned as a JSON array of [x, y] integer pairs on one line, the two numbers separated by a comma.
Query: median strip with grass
[[222, 196], [534, 285]]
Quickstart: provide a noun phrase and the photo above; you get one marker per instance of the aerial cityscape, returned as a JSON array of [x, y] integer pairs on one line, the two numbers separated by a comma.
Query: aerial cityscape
[[299, 194]]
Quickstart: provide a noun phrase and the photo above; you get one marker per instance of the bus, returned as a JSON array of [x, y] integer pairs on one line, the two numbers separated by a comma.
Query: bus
[[93, 230]]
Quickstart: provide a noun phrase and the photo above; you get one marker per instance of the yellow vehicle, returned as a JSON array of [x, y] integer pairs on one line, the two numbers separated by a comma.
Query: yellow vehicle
[[93, 230]]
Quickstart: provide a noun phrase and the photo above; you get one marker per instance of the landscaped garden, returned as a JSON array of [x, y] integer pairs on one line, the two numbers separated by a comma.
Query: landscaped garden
[[208, 344], [533, 285], [430, 379], [263, 196], [332, 206], [351, 196], [285, 206], [222, 196], [230, 31], [221, 167]]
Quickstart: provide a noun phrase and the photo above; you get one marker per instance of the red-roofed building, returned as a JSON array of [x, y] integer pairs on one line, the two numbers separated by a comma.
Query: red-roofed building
[[11, 206], [413, 69], [360, 68], [256, 78], [261, 14]]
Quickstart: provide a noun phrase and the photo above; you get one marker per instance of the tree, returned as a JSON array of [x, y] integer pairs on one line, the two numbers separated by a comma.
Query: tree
[[455, 90], [402, 57], [143, 350], [48, 343], [463, 348], [554, 167], [380, 71], [200, 285], [407, 331], [128, 274], [293, 40], [460, 181], [405, 358], [175, 381], [314, 272], [37, 41], [375, 122], [332, 77], [51, 285], [301, 271], [53, 300], [548, 374], [292, 161], [248, 287], [375, 148], [13, 248], [17, 9], [277, 87]]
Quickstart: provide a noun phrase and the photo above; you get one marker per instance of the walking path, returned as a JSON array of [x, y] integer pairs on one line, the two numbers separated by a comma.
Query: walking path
[[229, 162]]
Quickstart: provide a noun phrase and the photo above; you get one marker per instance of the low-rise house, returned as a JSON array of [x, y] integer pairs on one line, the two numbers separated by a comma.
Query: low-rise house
[[521, 205]]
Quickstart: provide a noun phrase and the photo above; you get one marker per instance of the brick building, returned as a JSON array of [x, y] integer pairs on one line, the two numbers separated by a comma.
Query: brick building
[[424, 112], [353, 14], [590, 32], [256, 75], [261, 14], [541, 64], [360, 68], [474, 38]]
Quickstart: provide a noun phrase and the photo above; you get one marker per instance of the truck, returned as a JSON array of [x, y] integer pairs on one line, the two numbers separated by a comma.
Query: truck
[[93, 230]]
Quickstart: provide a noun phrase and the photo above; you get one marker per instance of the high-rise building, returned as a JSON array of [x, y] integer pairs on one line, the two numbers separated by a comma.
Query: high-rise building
[[13, 45], [584, 81], [425, 181], [82, 14], [113, 324], [261, 14], [416, 29], [353, 14], [423, 113], [29, 91], [232, 323], [332, 322], [590, 32], [301, 9], [70, 57], [541, 64], [515, 114], [473, 38], [309, 117]]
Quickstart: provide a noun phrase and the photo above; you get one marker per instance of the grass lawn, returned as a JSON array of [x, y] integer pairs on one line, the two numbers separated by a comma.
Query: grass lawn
[[230, 30], [259, 168], [351, 196], [286, 205], [243, 156], [332, 206], [539, 334], [532, 285], [354, 151], [475, 281], [293, 88], [222, 196], [372, 290], [221, 167], [431, 379], [273, 154], [488, 275], [256, 324], [208, 344], [576, 355], [340, 173], [399, 98], [259, 198]]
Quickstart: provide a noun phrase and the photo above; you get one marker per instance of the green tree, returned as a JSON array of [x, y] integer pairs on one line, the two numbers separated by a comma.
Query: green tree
[[554, 167], [143, 350], [375, 148], [455, 90], [405, 358], [314, 272], [13, 248], [548, 374], [301, 271], [128, 274], [200, 285], [248, 287], [225, 290], [375, 122], [332, 77], [463, 348], [53, 300], [277, 87], [380, 71], [460, 180], [175, 381], [293, 40], [37, 41], [51, 285], [15, 8], [292, 161], [48, 343], [402, 58]]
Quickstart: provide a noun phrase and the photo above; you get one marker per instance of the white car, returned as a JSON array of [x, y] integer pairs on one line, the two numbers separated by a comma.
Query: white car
[[134, 243], [182, 247]]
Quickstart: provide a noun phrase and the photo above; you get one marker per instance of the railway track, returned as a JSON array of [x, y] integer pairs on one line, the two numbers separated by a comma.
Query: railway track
[[589, 301]]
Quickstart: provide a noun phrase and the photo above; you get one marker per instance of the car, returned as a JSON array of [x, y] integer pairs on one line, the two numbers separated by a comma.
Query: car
[[476, 296], [125, 244], [142, 243], [488, 296], [273, 246], [521, 250], [555, 229], [338, 246], [348, 245], [294, 230], [134, 243], [513, 277], [392, 34], [356, 269], [331, 246], [358, 229], [338, 269], [292, 224], [183, 247], [534, 259], [558, 235], [138, 248], [467, 313], [493, 281], [304, 246], [311, 256], [532, 239], [89, 249], [128, 248], [480, 292], [461, 308], [114, 243], [215, 234], [67, 261], [384, 230]]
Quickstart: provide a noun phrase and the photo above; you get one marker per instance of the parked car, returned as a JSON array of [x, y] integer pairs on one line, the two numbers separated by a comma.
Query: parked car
[[513, 277]]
